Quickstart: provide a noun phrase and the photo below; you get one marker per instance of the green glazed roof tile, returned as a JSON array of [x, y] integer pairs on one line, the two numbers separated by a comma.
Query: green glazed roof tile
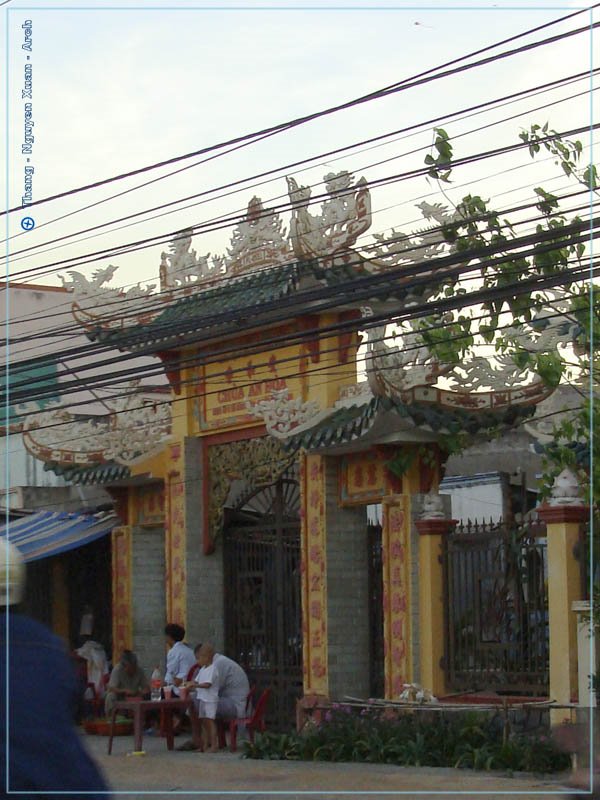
[[97, 474], [211, 307], [349, 423]]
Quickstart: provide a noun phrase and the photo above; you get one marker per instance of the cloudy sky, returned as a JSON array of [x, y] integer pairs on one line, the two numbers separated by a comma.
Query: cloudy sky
[[116, 88]]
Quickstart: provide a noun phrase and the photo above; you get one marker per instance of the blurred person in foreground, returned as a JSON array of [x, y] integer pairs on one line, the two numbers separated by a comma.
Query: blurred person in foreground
[[44, 749]]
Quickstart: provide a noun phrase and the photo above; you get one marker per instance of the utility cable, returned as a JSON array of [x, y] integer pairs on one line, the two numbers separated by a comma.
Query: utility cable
[[321, 370], [165, 238], [404, 270], [407, 83], [458, 115], [366, 294]]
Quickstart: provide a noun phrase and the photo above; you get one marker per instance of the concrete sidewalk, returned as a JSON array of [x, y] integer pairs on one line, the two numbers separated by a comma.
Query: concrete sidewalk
[[161, 772]]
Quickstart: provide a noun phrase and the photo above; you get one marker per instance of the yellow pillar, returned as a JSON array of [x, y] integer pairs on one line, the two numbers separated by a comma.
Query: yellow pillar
[[431, 603], [175, 537], [396, 594], [121, 591], [314, 576], [564, 587]]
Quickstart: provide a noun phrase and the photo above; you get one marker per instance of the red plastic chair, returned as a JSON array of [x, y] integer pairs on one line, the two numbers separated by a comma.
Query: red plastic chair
[[253, 722], [96, 701], [223, 723]]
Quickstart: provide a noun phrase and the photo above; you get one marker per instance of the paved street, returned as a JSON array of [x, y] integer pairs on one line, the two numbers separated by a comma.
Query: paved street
[[163, 772]]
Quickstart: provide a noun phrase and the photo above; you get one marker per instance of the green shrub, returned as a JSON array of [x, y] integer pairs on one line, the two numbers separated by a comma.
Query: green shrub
[[466, 740]]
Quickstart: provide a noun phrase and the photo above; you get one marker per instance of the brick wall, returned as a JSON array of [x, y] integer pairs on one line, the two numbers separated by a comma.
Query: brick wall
[[205, 611], [148, 596], [347, 593]]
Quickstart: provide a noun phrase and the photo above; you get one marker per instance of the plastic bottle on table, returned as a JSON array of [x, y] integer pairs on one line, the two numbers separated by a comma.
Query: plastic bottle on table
[[155, 684]]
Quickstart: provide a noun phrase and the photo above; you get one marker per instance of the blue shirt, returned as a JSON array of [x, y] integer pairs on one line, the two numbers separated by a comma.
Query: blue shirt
[[45, 751]]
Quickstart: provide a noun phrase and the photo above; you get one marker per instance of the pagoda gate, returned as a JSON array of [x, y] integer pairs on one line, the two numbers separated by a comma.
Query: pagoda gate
[[281, 499]]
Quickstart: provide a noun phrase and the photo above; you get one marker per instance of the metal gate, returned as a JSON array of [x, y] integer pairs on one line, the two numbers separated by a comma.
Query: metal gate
[[263, 621], [496, 609]]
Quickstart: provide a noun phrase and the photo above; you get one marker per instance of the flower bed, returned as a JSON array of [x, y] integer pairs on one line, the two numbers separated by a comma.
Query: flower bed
[[465, 739]]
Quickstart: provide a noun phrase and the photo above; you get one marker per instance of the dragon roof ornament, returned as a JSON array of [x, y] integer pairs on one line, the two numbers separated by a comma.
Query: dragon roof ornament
[[259, 241], [397, 248], [345, 215], [284, 414], [94, 301], [134, 428], [476, 383], [182, 268]]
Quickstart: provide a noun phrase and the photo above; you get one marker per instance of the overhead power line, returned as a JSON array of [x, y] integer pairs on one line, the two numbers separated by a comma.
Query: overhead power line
[[407, 83], [238, 287], [227, 222], [361, 289], [418, 221], [209, 194], [402, 314]]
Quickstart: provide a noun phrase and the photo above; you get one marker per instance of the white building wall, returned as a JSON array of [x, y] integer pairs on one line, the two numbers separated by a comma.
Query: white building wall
[[35, 314], [477, 497]]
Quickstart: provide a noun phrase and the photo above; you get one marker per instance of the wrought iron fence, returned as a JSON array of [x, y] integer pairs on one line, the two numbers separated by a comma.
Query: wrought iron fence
[[375, 562], [262, 596], [497, 608]]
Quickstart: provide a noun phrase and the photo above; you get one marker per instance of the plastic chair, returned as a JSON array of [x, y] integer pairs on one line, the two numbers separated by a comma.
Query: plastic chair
[[222, 723], [253, 722], [97, 701]]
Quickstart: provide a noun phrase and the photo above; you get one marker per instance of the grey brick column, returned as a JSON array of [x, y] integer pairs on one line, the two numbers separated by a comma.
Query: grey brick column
[[205, 598], [148, 595], [347, 593]]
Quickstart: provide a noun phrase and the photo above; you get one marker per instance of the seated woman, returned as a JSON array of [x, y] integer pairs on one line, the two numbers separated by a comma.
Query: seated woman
[[127, 680]]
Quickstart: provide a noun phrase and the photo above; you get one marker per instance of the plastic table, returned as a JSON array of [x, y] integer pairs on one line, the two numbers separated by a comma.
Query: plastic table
[[139, 709]]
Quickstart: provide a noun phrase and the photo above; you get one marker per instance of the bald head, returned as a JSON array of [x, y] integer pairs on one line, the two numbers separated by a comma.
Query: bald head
[[204, 653]]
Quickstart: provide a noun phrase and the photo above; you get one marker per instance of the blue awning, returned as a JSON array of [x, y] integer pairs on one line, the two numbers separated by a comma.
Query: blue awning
[[48, 533]]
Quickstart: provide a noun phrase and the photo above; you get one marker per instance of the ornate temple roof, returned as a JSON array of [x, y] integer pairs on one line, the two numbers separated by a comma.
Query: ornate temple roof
[[268, 276], [384, 420], [86, 475], [214, 308]]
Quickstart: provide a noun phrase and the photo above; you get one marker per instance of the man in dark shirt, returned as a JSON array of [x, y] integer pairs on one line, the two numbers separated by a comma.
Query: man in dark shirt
[[45, 752]]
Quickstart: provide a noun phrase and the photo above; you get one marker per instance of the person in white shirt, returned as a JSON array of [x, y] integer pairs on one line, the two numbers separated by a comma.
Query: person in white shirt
[[207, 698], [233, 686], [230, 684], [180, 657]]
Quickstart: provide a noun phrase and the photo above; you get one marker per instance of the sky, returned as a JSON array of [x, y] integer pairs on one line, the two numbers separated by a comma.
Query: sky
[[118, 86]]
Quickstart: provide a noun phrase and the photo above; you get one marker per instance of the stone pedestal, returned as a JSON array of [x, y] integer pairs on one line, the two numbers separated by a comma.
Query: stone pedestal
[[587, 653]]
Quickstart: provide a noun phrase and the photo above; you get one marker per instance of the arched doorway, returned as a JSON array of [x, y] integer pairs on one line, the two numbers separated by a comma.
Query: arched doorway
[[263, 617]]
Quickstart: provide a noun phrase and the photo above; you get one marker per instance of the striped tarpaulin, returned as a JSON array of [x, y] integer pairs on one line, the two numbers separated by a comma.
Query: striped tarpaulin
[[48, 533]]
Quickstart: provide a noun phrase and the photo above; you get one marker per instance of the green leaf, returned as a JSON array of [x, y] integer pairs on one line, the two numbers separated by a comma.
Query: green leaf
[[590, 177], [567, 168]]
